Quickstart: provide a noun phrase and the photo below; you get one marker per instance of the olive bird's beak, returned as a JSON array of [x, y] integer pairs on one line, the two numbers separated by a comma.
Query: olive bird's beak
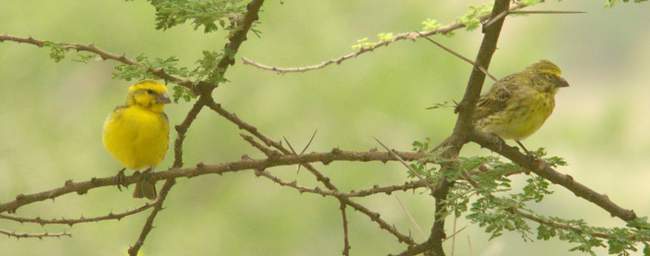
[[563, 83], [162, 99]]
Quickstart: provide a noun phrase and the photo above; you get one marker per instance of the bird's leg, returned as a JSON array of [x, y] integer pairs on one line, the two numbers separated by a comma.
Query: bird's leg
[[498, 141], [524, 148], [120, 179], [146, 175]]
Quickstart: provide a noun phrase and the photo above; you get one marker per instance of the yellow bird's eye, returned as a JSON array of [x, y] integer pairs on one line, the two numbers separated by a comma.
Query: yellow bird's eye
[[151, 91]]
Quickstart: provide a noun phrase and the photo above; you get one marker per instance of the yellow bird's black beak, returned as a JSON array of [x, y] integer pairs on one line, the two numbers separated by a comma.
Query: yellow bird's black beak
[[563, 82], [163, 99]]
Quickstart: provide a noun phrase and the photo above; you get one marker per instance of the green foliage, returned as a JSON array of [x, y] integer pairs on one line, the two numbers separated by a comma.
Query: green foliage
[[206, 68], [57, 51], [181, 92], [84, 57], [424, 168], [483, 193], [611, 3], [530, 2], [430, 25], [385, 37], [143, 71], [362, 43], [471, 19], [208, 14], [146, 65]]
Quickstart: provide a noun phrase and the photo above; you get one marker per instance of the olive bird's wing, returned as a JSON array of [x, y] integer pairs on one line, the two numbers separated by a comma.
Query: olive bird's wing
[[496, 99]]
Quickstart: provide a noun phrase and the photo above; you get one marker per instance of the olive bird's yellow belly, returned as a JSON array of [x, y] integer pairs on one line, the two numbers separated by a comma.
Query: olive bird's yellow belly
[[520, 119], [136, 137]]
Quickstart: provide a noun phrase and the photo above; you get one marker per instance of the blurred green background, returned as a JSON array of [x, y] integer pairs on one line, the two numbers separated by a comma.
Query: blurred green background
[[52, 116]]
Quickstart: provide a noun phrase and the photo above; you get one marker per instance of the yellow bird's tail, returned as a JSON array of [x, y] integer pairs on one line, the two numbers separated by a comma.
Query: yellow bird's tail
[[145, 188]]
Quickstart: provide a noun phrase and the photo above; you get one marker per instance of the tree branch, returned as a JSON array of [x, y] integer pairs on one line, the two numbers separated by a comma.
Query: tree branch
[[399, 37], [203, 169], [205, 89], [33, 235], [542, 169], [331, 191], [452, 145], [105, 55], [70, 222]]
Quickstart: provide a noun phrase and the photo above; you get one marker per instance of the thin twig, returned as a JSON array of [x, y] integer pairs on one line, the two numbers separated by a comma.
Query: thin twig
[[408, 167], [410, 216], [33, 235], [70, 222], [311, 139], [546, 12], [461, 57], [399, 37], [105, 55], [374, 216], [346, 239], [148, 226], [319, 176]]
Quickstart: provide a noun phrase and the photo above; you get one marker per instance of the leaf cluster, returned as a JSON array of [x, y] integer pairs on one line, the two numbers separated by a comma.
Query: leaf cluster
[[483, 192], [209, 15]]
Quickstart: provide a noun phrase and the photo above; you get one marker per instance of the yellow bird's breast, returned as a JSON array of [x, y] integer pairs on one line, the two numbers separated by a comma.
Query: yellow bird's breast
[[136, 137], [524, 117]]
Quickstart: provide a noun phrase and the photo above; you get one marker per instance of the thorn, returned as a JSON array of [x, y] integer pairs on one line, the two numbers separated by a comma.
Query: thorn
[[258, 172]]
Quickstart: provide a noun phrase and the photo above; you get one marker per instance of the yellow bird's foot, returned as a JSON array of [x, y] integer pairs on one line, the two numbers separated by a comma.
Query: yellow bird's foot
[[145, 187], [120, 180]]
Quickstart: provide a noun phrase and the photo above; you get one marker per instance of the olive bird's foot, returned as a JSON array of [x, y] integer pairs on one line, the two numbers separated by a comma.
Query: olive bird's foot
[[524, 149], [498, 142], [531, 157], [120, 180]]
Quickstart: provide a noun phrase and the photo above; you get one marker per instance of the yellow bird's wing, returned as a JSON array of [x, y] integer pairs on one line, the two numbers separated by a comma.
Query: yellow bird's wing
[[137, 138]]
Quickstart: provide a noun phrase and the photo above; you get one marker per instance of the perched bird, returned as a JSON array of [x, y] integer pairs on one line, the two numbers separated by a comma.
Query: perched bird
[[137, 133], [517, 105]]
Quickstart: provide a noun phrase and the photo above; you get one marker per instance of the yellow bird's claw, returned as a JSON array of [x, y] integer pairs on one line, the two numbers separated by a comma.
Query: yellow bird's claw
[[120, 180]]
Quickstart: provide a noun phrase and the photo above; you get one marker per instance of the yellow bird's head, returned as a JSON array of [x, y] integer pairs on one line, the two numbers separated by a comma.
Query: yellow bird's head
[[545, 67], [548, 76], [148, 94]]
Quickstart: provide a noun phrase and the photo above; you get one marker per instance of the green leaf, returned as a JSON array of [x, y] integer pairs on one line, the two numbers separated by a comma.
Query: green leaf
[[430, 25], [57, 51], [471, 19], [206, 14]]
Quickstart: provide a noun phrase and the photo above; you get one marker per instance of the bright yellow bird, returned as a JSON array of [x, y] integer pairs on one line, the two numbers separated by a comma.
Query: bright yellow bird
[[137, 133], [517, 105]]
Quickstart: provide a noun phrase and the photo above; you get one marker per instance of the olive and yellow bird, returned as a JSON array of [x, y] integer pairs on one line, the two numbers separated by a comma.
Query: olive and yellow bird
[[517, 105], [137, 133]]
